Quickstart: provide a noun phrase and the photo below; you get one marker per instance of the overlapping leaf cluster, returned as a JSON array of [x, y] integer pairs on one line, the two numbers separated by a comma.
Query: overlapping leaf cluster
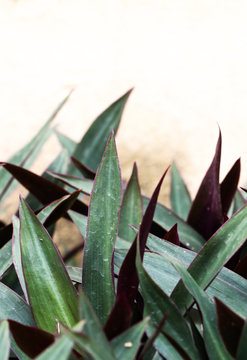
[[155, 283]]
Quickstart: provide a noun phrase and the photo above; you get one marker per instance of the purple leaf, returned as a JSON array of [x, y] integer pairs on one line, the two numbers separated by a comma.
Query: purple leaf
[[119, 318], [206, 214], [31, 340], [128, 278], [43, 189], [241, 267], [228, 187], [172, 235], [84, 170], [230, 326]]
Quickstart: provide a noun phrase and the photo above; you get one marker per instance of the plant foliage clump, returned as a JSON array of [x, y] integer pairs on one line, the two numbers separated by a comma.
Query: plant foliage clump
[[154, 283]]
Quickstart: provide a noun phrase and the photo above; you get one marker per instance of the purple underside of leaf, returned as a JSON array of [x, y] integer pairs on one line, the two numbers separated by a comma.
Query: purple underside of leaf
[[128, 281], [43, 189], [230, 326], [119, 318], [31, 340], [206, 214], [60, 211], [228, 187], [84, 170], [241, 267], [172, 235]]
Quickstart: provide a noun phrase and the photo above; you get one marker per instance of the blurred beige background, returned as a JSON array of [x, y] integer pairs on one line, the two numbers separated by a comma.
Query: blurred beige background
[[187, 60]]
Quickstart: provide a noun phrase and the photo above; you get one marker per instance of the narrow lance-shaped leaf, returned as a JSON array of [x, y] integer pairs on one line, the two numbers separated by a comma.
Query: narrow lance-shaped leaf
[[131, 209], [50, 290], [93, 328], [156, 305], [90, 149], [214, 344], [101, 234], [228, 187], [4, 340], [230, 326], [126, 345], [167, 219], [180, 197], [212, 257], [43, 189], [31, 340], [206, 214], [242, 346], [28, 153], [61, 350], [128, 277]]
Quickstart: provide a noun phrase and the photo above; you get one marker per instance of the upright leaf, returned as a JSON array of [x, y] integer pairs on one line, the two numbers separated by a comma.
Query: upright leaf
[[212, 257], [242, 346], [230, 326], [28, 153], [156, 305], [228, 187], [167, 219], [101, 234], [126, 345], [4, 340], [180, 197], [90, 149], [50, 290], [214, 344], [206, 214], [131, 209]]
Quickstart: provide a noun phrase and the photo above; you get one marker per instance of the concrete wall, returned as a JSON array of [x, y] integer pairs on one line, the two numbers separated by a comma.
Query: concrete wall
[[186, 59]]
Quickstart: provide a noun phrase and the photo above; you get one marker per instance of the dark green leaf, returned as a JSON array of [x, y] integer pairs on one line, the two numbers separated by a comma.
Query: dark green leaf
[[131, 209], [212, 257], [126, 345], [4, 340], [50, 291], [179, 196], [90, 149], [214, 344], [27, 155], [242, 347], [102, 233], [167, 219], [228, 187]]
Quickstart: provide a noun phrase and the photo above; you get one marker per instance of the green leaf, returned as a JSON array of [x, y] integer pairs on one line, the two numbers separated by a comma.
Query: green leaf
[[90, 149], [5, 258], [167, 219], [66, 142], [179, 196], [102, 233], [16, 256], [90, 346], [85, 185], [61, 350], [92, 327], [4, 340], [50, 291], [27, 154], [126, 345], [131, 209], [156, 305], [14, 307], [212, 257], [213, 341], [242, 346]]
